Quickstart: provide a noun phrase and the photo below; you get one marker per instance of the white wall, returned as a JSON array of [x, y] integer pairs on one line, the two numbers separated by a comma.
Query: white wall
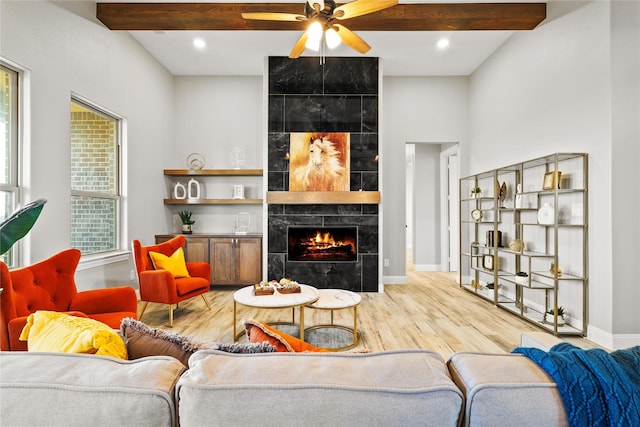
[[549, 91], [414, 109], [212, 116], [426, 238], [69, 53], [625, 157]]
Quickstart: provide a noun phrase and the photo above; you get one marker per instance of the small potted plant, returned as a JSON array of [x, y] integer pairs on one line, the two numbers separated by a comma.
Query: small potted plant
[[187, 222], [476, 192], [561, 313]]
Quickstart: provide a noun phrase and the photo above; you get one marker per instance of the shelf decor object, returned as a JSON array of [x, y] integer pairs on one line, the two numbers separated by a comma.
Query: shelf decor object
[[237, 157], [551, 180], [179, 191], [193, 189], [546, 214], [187, 222], [238, 191], [516, 245], [553, 220], [488, 262], [195, 161]]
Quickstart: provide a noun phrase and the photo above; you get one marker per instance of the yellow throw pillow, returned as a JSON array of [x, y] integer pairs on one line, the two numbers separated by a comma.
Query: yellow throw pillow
[[63, 333], [175, 264]]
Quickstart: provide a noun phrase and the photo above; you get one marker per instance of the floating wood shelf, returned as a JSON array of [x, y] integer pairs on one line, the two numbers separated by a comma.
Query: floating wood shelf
[[212, 201], [323, 197]]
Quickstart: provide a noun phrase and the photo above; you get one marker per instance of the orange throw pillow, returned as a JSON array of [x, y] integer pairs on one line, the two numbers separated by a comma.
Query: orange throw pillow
[[258, 332]]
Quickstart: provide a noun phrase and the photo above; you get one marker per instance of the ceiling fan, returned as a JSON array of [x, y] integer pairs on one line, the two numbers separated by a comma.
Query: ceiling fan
[[324, 17]]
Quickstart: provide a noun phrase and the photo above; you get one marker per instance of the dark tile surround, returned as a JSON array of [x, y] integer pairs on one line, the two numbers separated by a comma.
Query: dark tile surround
[[339, 96]]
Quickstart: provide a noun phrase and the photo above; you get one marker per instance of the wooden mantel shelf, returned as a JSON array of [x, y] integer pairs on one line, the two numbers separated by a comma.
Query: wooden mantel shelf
[[213, 172], [322, 197]]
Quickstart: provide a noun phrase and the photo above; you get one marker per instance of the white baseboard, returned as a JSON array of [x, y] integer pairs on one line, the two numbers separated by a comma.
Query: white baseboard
[[612, 341], [621, 341], [600, 337], [394, 280]]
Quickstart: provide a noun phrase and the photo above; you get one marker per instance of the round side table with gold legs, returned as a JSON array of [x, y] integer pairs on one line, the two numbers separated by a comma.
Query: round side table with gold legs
[[338, 299]]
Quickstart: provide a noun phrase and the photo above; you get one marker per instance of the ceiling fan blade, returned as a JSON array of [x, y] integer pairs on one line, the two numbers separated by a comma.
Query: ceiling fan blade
[[271, 16], [299, 47], [351, 39], [361, 7]]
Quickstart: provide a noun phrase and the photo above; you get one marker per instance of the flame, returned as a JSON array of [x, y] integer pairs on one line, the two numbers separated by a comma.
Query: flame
[[323, 245]]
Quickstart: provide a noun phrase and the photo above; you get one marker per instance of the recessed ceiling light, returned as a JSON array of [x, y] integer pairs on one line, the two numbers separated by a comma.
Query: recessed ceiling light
[[199, 43], [443, 43]]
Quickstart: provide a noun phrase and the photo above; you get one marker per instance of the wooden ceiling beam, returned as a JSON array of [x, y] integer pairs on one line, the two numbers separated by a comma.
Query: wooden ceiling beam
[[401, 17]]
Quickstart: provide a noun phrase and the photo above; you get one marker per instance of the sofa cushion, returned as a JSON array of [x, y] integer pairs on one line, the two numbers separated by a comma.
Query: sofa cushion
[[499, 387], [409, 387], [59, 332], [143, 341], [258, 332], [60, 389], [175, 264]]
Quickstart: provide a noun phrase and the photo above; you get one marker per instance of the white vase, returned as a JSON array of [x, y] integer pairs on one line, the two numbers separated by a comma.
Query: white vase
[[179, 191], [546, 214], [519, 196], [194, 189]]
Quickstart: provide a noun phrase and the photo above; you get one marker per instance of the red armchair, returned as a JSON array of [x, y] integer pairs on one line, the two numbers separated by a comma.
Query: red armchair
[[50, 285], [160, 286]]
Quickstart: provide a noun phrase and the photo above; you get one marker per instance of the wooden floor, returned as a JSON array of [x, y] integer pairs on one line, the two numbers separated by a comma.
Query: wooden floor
[[431, 311]]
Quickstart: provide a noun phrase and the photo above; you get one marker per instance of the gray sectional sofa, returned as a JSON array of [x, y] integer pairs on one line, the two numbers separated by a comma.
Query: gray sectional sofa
[[405, 387]]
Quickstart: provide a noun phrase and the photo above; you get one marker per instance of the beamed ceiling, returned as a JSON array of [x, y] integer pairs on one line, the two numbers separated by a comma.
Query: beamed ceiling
[[401, 17], [403, 36]]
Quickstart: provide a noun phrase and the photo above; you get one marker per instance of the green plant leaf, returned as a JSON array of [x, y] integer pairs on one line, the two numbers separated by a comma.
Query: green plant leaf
[[18, 224]]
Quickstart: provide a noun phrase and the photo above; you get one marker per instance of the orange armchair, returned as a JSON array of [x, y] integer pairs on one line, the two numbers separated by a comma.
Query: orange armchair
[[160, 286], [50, 285]]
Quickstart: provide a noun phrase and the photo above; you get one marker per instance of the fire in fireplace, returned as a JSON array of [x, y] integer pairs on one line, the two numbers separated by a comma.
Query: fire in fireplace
[[323, 243]]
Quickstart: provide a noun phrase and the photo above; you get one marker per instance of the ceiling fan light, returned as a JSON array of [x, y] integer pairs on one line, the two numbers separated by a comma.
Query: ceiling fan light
[[312, 44], [315, 31], [333, 38]]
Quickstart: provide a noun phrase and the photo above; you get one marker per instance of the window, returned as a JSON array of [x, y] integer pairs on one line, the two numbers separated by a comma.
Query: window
[[9, 190], [95, 179]]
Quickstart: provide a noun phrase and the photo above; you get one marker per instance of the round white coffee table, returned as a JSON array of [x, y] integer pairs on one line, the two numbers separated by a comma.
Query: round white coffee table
[[245, 296], [338, 299]]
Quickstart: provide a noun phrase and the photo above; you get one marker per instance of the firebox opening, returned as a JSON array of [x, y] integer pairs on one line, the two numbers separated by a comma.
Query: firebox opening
[[323, 243]]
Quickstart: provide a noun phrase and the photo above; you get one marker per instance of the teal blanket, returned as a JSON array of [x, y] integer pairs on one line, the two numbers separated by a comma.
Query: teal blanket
[[597, 388]]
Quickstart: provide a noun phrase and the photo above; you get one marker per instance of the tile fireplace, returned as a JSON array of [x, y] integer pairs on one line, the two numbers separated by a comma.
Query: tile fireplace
[[339, 96]]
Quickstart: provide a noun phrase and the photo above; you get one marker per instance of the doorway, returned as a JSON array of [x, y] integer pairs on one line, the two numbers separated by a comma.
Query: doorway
[[431, 206]]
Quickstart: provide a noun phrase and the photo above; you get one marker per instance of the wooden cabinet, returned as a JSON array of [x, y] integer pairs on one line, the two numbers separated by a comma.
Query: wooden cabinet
[[235, 259]]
